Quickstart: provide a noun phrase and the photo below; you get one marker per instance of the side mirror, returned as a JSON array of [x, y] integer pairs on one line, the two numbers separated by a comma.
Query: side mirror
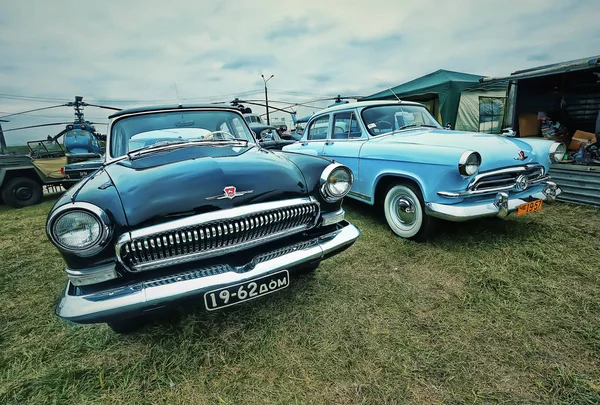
[[448, 126]]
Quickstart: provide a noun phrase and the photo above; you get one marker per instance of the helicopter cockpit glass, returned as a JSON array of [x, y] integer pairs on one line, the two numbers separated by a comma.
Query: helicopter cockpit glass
[[135, 132]]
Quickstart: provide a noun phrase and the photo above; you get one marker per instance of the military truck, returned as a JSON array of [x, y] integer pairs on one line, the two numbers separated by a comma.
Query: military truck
[[24, 176]]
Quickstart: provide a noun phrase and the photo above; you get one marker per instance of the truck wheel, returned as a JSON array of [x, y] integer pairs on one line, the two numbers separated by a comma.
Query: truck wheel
[[21, 192], [405, 213]]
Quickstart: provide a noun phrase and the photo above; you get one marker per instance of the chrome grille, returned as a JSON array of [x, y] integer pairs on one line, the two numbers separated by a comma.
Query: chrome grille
[[505, 179], [215, 233]]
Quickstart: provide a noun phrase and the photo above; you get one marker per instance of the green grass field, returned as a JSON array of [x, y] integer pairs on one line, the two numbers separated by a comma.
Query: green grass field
[[501, 312]]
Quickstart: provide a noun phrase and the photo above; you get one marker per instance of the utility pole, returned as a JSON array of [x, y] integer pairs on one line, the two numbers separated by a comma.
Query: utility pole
[[266, 97]]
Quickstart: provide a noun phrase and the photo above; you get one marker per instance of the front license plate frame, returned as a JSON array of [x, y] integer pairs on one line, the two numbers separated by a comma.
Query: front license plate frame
[[250, 289], [527, 208]]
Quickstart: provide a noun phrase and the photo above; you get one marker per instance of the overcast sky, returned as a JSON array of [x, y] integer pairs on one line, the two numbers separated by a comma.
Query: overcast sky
[[127, 53]]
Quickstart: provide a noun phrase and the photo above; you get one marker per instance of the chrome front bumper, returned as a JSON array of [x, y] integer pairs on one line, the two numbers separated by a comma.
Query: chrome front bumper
[[139, 297], [501, 207]]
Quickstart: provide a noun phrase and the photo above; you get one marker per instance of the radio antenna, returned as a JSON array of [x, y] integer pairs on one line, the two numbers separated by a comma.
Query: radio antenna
[[177, 93], [397, 98]]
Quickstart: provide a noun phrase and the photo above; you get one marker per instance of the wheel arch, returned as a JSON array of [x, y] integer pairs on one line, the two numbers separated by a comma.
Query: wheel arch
[[384, 181], [9, 174]]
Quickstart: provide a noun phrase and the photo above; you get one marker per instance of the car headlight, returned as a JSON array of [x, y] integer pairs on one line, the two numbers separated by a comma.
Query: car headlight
[[557, 151], [79, 228], [469, 163], [336, 182]]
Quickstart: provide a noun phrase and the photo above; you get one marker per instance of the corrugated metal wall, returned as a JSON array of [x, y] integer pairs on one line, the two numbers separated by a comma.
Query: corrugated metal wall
[[580, 184]]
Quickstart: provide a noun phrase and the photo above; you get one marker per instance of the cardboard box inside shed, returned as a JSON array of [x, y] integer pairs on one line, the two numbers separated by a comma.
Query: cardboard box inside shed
[[581, 138], [529, 125]]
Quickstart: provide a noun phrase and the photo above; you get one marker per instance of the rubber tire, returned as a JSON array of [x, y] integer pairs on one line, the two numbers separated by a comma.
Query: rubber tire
[[126, 326], [11, 200], [424, 224], [67, 186]]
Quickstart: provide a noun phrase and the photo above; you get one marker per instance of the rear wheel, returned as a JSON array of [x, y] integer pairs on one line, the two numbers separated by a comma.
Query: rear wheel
[[405, 213], [21, 192]]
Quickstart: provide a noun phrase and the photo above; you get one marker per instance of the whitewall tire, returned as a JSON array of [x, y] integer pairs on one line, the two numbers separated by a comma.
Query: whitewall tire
[[405, 212]]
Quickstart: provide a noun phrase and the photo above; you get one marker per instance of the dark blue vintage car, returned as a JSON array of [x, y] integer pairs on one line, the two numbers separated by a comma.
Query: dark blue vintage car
[[187, 204]]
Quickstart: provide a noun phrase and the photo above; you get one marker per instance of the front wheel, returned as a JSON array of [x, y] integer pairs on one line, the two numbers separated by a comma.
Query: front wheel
[[405, 213], [22, 192]]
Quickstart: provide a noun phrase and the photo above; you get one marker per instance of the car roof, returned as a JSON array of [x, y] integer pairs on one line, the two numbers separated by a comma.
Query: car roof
[[172, 107], [361, 104]]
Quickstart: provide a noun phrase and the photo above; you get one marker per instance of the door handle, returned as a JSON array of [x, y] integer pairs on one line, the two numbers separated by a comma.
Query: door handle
[[304, 143], [329, 143]]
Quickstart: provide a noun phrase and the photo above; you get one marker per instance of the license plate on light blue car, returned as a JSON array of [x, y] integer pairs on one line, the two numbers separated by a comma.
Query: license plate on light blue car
[[246, 291]]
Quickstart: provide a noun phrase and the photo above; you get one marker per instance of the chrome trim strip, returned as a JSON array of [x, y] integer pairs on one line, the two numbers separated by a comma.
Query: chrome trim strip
[[121, 301], [214, 221], [96, 211], [359, 195]]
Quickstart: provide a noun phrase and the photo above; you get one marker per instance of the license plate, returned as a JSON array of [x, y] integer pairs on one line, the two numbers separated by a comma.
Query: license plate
[[532, 206], [246, 291]]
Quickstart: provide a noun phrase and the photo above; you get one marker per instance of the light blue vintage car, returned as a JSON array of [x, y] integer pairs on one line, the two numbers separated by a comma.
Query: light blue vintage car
[[403, 160]]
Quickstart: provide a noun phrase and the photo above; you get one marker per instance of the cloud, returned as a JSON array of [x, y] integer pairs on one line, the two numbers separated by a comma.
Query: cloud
[[387, 42], [130, 53], [291, 28], [250, 62], [539, 57]]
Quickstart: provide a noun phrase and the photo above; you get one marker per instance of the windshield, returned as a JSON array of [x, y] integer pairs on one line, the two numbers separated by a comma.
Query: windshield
[[139, 131], [387, 118]]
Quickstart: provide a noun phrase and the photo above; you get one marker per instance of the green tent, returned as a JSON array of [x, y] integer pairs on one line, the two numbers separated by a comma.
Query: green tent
[[438, 91]]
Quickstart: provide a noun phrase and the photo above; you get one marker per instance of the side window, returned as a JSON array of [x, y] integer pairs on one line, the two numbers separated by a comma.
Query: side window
[[318, 129], [239, 127], [345, 126]]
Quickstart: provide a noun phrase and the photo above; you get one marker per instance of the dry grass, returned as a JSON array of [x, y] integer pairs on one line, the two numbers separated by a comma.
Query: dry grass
[[489, 312]]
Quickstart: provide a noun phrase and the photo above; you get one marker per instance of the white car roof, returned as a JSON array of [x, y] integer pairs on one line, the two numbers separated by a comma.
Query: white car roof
[[361, 104]]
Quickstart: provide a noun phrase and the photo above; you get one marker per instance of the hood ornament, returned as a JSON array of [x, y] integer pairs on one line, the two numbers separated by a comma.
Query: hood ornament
[[521, 156], [229, 192]]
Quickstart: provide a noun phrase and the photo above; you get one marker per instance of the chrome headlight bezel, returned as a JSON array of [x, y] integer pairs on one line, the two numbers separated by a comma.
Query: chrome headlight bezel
[[466, 161], [325, 182], [96, 212], [557, 148]]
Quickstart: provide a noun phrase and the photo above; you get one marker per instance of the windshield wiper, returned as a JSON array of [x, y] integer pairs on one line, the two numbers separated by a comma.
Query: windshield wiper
[[416, 126], [180, 144]]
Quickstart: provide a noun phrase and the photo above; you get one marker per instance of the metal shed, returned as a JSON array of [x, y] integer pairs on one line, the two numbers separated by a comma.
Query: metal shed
[[569, 91]]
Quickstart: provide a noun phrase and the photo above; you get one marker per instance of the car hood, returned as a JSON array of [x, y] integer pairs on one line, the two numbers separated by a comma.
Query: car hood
[[167, 185], [495, 151]]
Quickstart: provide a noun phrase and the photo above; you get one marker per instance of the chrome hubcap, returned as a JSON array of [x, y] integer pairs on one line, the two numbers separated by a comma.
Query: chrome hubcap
[[405, 209]]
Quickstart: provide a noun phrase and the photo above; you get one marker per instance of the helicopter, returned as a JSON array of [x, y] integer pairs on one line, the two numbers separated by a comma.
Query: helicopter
[[23, 177], [81, 140]]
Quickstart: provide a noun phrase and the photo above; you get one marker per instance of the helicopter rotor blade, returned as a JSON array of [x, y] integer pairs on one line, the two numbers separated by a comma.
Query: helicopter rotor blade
[[38, 126], [35, 109], [102, 106]]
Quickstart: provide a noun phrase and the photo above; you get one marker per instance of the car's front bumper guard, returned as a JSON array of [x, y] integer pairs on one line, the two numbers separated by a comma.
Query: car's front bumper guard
[[501, 207], [146, 295]]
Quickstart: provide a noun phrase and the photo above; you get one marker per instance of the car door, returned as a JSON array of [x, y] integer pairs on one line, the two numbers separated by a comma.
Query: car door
[[344, 142], [315, 136]]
